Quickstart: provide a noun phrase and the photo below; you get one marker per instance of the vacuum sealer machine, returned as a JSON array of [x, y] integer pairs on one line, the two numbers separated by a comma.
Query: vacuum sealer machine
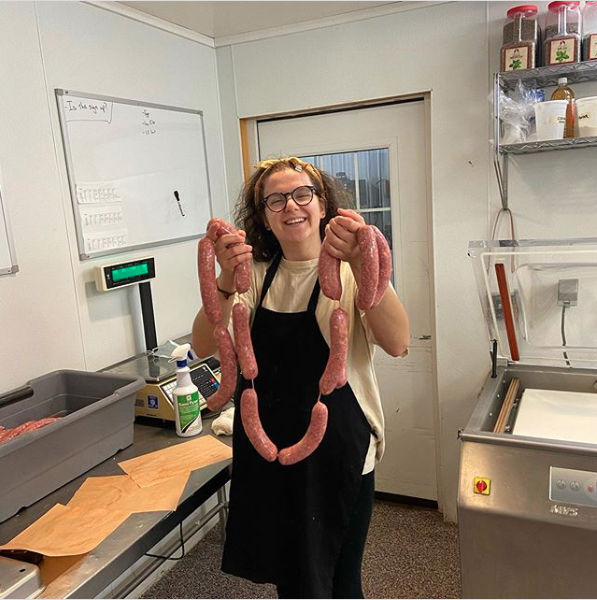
[[155, 399], [527, 494]]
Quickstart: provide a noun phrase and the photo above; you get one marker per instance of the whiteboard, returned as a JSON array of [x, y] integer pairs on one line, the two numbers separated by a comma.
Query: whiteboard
[[125, 160], [8, 262]]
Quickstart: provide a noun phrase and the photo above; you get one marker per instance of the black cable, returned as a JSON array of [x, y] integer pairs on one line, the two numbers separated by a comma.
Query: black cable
[[564, 307], [171, 557]]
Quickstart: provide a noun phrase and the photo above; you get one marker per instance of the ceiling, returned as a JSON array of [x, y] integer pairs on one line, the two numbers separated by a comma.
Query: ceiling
[[222, 19]]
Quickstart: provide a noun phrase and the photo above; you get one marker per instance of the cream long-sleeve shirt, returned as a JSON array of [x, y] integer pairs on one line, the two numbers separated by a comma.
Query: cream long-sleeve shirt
[[290, 292]]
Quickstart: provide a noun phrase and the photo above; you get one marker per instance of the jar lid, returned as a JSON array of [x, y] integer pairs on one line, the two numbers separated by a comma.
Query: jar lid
[[524, 8], [553, 6]]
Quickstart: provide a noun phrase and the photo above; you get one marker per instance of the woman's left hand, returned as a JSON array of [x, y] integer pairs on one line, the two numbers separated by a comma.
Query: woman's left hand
[[341, 235]]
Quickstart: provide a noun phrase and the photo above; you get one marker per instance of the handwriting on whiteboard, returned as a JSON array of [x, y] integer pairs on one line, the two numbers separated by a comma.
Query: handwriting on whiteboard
[[147, 123], [84, 109]]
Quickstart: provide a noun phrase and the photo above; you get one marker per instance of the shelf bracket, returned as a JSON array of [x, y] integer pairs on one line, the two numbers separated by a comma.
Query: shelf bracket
[[502, 177]]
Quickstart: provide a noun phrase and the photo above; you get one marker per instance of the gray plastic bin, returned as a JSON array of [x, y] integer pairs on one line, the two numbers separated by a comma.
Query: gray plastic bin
[[98, 413]]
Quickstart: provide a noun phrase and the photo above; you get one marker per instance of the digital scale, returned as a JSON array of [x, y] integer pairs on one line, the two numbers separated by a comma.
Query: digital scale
[[155, 399]]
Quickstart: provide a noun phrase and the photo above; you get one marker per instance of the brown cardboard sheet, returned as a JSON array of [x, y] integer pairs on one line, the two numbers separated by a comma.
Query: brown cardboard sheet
[[120, 492], [155, 467], [65, 531], [53, 567]]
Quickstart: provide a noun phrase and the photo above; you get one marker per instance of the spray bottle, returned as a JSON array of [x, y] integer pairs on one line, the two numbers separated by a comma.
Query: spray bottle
[[185, 396]]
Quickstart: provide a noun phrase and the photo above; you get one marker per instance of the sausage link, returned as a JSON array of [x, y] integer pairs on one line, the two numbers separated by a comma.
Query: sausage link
[[385, 264], [369, 268], [242, 276], [249, 413], [229, 369], [242, 339], [242, 272], [219, 227], [329, 274], [311, 439], [207, 280], [334, 376]]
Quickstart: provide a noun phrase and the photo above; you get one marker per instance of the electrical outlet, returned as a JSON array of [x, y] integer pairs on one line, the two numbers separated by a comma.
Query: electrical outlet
[[567, 292]]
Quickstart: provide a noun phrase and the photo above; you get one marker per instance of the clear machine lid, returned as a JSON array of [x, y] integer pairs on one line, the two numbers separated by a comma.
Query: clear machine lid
[[539, 298]]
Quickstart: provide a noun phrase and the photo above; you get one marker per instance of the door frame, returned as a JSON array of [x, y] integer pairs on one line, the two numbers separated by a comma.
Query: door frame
[[249, 139]]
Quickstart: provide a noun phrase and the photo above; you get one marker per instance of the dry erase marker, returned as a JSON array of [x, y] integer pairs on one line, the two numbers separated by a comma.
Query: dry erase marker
[[179, 204]]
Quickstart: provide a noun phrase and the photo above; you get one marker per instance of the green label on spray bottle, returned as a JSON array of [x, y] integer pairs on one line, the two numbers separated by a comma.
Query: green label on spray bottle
[[188, 410]]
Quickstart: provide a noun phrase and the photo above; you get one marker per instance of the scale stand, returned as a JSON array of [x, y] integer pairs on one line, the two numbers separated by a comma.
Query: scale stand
[[151, 340]]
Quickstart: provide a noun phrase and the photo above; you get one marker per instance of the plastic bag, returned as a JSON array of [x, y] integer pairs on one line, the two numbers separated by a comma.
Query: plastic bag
[[517, 114]]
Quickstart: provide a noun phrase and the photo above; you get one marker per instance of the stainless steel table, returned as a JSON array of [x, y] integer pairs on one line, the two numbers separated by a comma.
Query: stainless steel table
[[93, 572]]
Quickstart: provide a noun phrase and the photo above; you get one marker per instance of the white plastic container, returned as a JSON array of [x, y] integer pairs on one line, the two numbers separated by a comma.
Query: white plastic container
[[185, 396], [550, 118], [586, 109]]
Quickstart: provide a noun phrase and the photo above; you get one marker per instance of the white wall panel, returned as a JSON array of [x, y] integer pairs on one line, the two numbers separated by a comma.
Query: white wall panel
[[38, 309], [52, 302]]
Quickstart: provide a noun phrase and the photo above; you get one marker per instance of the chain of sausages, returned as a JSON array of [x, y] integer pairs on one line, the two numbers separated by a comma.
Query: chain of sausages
[[376, 268]]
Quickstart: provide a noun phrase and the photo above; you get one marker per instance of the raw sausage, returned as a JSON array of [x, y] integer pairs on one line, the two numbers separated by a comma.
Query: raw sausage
[[249, 413], [311, 439], [217, 227], [242, 339], [385, 264], [10, 434], [228, 367], [369, 268], [242, 276], [207, 280], [242, 272], [334, 376], [329, 274]]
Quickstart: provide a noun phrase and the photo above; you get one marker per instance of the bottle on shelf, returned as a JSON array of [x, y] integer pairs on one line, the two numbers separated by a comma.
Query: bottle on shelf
[[520, 39], [589, 35], [564, 92], [562, 33]]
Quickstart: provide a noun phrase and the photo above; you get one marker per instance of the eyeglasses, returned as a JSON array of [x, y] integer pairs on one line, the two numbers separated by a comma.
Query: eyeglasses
[[301, 195]]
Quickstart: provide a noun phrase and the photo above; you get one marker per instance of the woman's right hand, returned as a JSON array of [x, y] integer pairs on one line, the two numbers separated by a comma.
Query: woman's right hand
[[231, 250]]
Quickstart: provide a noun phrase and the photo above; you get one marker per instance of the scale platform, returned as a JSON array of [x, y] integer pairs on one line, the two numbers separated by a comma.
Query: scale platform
[[155, 399]]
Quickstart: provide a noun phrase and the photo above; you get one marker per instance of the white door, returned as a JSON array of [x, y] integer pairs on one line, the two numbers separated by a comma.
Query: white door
[[384, 149]]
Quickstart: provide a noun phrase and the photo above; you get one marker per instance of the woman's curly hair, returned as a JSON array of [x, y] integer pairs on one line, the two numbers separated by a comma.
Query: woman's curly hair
[[248, 214]]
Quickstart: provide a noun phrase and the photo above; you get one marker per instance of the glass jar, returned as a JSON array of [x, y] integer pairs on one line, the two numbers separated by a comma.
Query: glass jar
[[520, 39], [589, 31], [562, 33]]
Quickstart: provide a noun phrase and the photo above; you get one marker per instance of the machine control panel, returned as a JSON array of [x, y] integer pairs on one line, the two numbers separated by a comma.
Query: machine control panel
[[205, 380], [573, 486]]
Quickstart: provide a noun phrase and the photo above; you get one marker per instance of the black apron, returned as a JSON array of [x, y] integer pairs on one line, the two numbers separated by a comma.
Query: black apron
[[287, 523]]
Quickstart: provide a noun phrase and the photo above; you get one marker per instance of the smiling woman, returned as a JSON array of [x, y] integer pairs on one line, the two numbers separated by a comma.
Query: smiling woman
[[304, 453], [291, 216]]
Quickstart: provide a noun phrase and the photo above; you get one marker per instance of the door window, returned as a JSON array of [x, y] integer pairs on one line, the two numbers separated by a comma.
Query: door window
[[371, 195]]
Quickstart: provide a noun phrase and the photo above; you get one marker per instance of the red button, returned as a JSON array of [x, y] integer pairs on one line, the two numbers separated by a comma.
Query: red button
[[481, 486]]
